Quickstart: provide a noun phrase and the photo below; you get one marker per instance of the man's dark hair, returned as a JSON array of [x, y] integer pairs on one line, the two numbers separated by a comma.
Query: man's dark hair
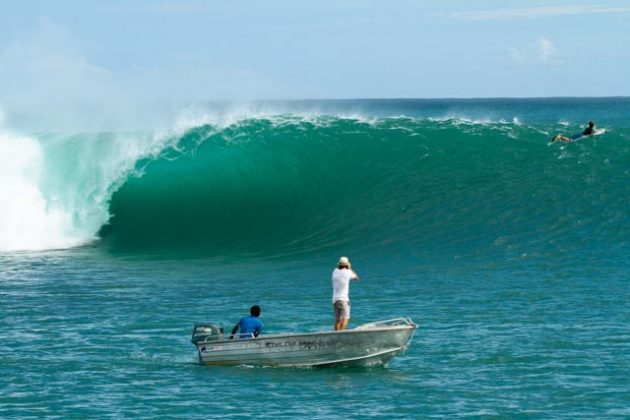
[[255, 310]]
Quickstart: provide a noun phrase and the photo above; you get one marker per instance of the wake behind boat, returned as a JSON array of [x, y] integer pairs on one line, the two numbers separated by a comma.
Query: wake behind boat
[[369, 344]]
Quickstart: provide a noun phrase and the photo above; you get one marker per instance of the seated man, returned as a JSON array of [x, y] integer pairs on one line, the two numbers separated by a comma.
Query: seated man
[[249, 324]]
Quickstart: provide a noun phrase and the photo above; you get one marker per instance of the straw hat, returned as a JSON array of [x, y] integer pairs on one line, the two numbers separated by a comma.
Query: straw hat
[[344, 261]]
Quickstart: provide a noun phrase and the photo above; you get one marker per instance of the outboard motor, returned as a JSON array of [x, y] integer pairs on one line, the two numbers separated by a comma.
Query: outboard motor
[[206, 332]]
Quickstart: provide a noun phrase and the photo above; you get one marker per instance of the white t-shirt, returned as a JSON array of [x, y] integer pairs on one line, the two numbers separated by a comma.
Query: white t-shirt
[[341, 283]]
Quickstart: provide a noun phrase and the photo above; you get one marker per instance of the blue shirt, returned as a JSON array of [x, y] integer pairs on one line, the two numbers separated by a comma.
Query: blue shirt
[[250, 324]]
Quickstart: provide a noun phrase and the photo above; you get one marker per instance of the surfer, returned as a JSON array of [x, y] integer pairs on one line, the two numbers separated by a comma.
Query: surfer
[[588, 131], [341, 277], [249, 324]]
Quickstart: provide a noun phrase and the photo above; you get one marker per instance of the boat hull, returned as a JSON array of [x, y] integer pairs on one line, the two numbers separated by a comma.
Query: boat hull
[[359, 346]]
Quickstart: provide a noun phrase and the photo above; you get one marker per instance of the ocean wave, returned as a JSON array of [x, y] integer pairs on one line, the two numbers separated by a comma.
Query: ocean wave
[[285, 183]]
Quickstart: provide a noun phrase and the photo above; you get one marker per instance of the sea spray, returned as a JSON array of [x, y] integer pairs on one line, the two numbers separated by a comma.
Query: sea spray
[[55, 188], [26, 219]]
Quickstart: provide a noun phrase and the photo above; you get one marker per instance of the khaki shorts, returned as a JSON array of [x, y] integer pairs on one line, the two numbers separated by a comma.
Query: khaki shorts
[[342, 310]]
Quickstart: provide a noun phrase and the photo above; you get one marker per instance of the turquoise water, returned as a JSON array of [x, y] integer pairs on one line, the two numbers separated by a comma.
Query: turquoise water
[[510, 252]]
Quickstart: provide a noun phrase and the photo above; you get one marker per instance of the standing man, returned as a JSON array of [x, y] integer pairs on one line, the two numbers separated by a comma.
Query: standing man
[[341, 277]]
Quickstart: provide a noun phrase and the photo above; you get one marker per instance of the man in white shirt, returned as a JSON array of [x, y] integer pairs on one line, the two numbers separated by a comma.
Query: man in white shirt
[[341, 277]]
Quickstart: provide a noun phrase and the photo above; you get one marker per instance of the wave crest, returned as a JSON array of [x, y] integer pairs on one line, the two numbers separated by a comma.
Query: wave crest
[[281, 184], [288, 184]]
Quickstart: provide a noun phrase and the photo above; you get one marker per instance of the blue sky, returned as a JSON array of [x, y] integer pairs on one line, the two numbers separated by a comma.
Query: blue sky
[[236, 50]]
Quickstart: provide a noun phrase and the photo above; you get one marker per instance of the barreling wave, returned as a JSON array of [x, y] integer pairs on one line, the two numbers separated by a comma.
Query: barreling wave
[[301, 184], [292, 184]]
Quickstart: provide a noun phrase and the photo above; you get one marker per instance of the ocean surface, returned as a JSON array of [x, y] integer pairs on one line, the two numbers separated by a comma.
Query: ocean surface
[[511, 252]]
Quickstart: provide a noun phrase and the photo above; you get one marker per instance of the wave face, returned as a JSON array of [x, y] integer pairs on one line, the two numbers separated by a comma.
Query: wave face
[[445, 182], [418, 187]]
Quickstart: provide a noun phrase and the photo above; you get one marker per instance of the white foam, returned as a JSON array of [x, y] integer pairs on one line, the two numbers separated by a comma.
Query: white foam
[[55, 190], [27, 222]]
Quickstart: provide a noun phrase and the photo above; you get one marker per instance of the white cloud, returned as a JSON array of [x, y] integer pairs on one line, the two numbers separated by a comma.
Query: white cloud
[[534, 12], [48, 81], [546, 50], [541, 51], [47, 64]]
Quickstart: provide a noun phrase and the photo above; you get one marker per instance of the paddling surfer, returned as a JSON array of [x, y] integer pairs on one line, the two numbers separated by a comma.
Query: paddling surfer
[[341, 277], [588, 131]]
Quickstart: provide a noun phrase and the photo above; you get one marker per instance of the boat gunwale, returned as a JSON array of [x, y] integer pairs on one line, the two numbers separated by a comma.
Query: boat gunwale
[[411, 327]]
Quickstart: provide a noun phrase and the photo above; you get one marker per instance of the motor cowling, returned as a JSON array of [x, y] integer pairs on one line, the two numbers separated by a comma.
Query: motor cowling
[[206, 332]]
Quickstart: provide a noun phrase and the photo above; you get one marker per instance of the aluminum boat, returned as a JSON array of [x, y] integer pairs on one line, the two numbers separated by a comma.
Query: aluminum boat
[[368, 344]]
